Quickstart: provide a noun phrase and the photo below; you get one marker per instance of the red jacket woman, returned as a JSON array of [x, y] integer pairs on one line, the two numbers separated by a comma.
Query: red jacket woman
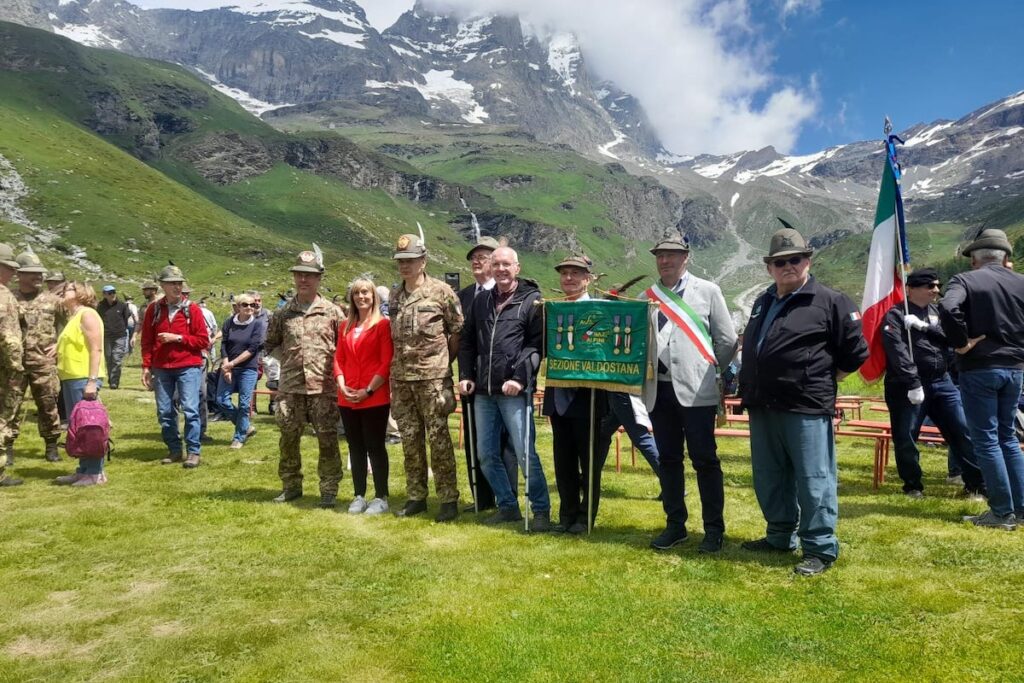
[[362, 369]]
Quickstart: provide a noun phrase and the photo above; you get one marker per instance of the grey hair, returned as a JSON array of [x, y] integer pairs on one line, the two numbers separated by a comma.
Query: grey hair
[[981, 256]]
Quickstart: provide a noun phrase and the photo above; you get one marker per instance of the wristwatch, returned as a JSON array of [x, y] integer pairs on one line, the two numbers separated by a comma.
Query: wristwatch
[[369, 391]]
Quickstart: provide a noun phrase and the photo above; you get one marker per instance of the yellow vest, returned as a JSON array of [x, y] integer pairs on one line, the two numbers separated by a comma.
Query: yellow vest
[[73, 351]]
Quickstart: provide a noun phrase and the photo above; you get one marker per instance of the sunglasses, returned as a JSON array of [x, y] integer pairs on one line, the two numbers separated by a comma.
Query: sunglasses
[[792, 260], [247, 305], [935, 285]]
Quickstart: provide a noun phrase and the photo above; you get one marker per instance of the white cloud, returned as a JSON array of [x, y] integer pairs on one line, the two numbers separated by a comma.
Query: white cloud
[[794, 6], [696, 66]]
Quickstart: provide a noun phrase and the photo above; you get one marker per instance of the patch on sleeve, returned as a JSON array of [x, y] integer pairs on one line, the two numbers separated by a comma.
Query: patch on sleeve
[[855, 315]]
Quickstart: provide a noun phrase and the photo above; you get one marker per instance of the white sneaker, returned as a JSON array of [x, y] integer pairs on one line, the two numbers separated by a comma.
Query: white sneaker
[[377, 506], [358, 506], [235, 445]]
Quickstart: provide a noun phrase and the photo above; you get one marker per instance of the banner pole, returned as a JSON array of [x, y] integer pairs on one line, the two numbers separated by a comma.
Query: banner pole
[[590, 471], [471, 448]]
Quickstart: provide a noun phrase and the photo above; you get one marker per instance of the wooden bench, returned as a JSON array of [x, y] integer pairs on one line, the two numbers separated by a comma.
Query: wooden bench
[[881, 432]]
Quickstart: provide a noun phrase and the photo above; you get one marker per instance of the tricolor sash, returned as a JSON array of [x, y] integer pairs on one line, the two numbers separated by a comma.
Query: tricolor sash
[[685, 318]]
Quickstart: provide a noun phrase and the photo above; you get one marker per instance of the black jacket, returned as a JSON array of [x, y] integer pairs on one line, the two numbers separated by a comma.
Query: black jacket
[[579, 407], [931, 351], [496, 347], [816, 334], [115, 318], [988, 301]]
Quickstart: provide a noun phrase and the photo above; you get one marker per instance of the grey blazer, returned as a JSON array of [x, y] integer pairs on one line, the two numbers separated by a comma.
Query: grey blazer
[[693, 378]]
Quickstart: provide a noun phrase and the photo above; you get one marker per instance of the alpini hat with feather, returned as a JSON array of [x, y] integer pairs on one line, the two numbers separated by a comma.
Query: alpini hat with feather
[[409, 247], [787, 242], [171, 273], [989, 238], [28, 262], [7, 256], [309, 261]]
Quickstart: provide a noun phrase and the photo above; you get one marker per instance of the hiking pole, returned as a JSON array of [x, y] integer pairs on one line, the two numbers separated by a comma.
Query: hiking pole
[[526, 461], [468, 405], [590, 471]]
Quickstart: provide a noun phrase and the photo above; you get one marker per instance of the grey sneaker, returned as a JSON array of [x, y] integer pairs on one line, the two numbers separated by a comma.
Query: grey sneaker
[[914, 493], [992, 520], [955, 480], [68, 479], [358, 506], [377, 506], [811, 566], [235, 445]]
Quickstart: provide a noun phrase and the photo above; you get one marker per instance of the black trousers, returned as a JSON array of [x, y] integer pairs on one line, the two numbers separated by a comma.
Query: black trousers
[[675, 425], [365, 431], [571, 438]]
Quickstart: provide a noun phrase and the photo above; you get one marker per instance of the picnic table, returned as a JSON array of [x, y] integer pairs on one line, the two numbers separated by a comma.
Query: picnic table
[[881, 432]]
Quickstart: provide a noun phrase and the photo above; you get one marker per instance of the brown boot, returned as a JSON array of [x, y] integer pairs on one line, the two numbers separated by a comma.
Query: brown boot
[[51, 453], [191, 462]]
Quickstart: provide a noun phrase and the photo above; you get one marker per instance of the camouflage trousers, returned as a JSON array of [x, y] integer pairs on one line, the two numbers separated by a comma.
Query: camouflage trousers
[[10, 401], [45, 386], [421, 409], [294, 412]]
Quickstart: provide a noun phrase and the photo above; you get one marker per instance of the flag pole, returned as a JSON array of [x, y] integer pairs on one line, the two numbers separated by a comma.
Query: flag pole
[[901, 234], [590, 470]]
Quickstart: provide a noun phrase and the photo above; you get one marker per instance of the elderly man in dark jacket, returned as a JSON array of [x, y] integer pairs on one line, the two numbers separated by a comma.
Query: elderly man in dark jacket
[[917, 384], [982, 314], [500, 345], [801, 340]]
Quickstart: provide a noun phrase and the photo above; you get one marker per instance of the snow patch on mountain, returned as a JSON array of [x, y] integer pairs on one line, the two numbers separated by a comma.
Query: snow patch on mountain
[[341, 37], [295, 12], [90, 35], [606, 148], [251, 104], [798, 164], [442, 85], [926, 137], [718, 168], [564, 59]]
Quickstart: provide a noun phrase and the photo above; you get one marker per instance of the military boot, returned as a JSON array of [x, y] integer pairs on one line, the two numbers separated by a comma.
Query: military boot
[[10, 455], [448, 512], [51, 452], [412, 507], [288, 495]]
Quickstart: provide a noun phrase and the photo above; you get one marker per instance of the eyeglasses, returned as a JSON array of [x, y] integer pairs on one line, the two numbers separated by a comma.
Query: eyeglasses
[[792, 260], [247, 305]]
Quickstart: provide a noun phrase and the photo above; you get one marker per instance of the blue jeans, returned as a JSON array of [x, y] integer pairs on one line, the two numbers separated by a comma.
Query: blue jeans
[[72, 389], [990, 398], [516, 413], [186, 381], [793, 457], [243, 381], [943, 406], [622, 415]]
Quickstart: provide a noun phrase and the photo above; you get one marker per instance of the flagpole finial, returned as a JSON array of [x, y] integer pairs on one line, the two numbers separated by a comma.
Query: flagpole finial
[[888, 126]]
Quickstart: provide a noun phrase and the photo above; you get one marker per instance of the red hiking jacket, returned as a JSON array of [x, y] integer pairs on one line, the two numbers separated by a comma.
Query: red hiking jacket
[[187, 353]]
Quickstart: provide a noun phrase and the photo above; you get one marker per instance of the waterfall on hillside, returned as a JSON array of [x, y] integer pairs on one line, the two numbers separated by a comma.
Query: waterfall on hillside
[[476, 223], [416, 188]]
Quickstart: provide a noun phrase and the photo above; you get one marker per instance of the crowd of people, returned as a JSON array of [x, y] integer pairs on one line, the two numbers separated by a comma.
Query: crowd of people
[[388, 355]]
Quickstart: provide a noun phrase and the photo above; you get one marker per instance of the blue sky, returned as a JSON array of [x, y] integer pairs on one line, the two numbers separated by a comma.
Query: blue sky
[[915, 61]]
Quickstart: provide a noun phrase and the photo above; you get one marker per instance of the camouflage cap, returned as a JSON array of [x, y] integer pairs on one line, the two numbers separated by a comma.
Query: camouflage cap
[[487, 243], [55, 276], [787, 242], [30, 263], [149, 284], [409, 247], [7, 256], [990, 238], [577, 260], [171, 274], [185, 289], [672, 243], [307, 262]]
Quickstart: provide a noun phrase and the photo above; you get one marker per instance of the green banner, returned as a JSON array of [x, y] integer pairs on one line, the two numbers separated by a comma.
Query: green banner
[[597, 344]]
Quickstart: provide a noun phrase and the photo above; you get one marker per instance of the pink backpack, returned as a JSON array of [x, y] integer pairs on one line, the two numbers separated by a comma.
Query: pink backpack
[[89, 430]]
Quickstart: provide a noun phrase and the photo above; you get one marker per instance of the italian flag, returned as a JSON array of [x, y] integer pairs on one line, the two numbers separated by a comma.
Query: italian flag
[[883, 286]]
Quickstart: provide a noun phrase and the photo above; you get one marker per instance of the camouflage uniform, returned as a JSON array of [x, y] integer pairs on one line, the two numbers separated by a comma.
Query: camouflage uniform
[[422, 396], [304, 341], [11, 369], [40, 316]]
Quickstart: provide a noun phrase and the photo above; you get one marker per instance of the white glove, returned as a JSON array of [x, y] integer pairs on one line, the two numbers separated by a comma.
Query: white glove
[[916, 396], [912, 322]]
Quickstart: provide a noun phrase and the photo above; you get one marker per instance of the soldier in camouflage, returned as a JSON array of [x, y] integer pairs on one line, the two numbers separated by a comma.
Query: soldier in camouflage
[[11, 368], [303, 336], [41, 316], [55, 282], [425, 323]]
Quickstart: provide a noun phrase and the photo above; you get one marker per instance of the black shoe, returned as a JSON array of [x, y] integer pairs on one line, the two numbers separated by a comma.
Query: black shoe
[[660, 498], [328, 501], [412, 507], [288, 495], [505, 516], [671, 536], [472, 509], [205, 438], [762, 545], [811, 566], [11, 481], [577, 528], [447, 513], [541, 522], [712, 543]]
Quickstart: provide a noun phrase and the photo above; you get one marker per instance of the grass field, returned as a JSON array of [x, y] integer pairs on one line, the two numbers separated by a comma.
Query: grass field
[[173, 575]]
